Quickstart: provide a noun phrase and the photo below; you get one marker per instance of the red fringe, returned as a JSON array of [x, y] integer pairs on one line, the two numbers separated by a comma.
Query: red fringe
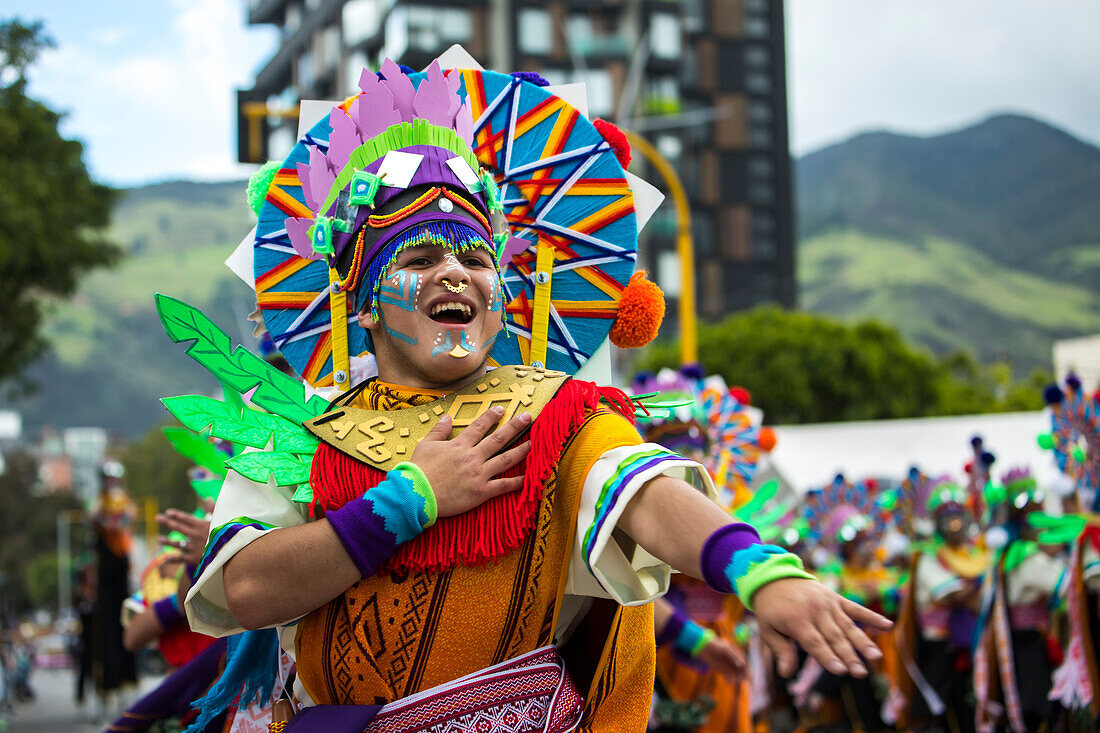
[[498, 526]]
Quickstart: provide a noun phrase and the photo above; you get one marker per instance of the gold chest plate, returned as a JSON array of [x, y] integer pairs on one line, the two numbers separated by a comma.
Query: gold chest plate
[[385, 438]]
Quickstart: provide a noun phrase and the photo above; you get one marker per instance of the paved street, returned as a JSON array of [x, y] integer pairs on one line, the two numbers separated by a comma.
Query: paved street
[[54, 711]]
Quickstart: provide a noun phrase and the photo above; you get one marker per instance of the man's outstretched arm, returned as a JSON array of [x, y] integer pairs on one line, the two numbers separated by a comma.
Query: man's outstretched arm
[[674, 522]]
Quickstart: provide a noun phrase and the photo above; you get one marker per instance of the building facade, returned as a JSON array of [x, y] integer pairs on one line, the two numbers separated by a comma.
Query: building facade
[[704, 80]]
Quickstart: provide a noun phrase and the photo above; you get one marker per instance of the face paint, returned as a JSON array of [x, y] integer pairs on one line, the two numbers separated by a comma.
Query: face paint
[[402, 290]]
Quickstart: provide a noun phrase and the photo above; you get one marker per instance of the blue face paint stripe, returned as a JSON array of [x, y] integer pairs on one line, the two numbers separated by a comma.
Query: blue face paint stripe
[[403, 294], [445, 346], [398, 335]]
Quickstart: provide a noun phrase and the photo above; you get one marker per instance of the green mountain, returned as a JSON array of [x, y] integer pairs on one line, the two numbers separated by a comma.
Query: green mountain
[[986, 239], [111, 361]]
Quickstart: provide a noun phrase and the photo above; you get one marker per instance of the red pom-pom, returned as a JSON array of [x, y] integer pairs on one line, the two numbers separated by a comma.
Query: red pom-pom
[[766, 441], [616, 139], [741, 395], [641, 310]]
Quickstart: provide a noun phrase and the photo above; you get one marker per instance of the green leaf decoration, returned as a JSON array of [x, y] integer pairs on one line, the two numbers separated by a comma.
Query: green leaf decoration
[[288, 468], [238, 368], [207, 488], [240, 424], [303, 494], [1056, 530], [197, 449]]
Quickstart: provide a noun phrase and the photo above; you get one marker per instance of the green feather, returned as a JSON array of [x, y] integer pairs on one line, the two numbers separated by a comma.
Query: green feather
[[303, 494], [207, 488], [238, 368], [762, 496]]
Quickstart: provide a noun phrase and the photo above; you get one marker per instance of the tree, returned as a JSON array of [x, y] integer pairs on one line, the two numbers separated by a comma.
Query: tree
[[802, 368], [52, 215], [153, 468]]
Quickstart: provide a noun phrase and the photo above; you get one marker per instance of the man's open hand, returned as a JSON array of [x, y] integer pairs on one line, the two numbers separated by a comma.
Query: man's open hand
[[725, 658], [796, 610], [463, 470], [191, 527]]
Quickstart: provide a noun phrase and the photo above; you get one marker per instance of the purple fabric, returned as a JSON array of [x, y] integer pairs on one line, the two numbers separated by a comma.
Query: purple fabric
[[961, 626], [226, 533], [333, 718], [363, 534], [672, 629], [172, 698], [168, 611], [718, 551]]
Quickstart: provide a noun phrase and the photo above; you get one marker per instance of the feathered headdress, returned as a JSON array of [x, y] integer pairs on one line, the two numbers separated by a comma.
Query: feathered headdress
[[842, 511]]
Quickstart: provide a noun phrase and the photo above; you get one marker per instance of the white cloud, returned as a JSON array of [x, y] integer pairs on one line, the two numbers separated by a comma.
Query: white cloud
[[927, 66], [160, 110]]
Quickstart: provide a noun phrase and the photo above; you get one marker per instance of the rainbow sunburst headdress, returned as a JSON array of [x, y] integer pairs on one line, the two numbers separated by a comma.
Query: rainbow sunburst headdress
[[468, 157]]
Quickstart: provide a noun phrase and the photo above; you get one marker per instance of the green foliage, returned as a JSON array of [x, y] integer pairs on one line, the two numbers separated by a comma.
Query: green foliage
[[154, 468], [28, 526], [803, 368], [237, 368], [52, 215], [42, 580]]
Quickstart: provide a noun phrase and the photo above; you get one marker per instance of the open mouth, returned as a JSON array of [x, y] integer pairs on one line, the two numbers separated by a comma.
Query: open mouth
[[451, 313]]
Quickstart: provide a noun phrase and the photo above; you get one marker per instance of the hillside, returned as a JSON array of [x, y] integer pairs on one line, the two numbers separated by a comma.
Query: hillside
[[111, 361], [987, 238]]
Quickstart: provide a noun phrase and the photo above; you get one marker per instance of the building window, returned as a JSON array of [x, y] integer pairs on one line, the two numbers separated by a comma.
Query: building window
[[671, 147], [757, 57], [702, 231], [761, 193], [535, 32], [292, 21], [758, 82], [431, 28], [755, 6], [305, 75], [734, 233], [712, 301], [662, 96], [760, 138], [601, 93], [313, 4], [764, 249], [664, 36], [353, 68], [328, 49], [761, 166], [361, 19], [760, 113], [756, 27]]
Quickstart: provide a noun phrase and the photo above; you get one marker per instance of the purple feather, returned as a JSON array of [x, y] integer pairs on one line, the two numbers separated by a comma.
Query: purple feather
[[373, 110], [433, 99], [298, 231], [464, 124], [316, 178], [401, 88], [343, 140], [513, 247]]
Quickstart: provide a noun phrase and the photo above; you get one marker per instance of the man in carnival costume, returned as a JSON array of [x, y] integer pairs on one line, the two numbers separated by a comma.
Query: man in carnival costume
[[944, 588], [449, 532], [1015, 617]]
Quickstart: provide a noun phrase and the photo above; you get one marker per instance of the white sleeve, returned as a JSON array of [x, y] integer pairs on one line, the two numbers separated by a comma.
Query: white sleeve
[[245, 511], [934, 582], [606, 564]]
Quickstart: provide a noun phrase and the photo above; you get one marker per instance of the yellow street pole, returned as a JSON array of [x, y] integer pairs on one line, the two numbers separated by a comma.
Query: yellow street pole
[[689, 350]]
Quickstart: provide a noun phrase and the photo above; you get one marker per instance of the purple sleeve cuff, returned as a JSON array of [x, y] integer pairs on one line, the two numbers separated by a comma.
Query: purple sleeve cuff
[[363, 534], [718, 550], [672, 629], [168, 612]]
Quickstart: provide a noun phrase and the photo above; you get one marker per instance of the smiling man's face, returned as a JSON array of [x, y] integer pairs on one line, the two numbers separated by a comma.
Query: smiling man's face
[[439, 315]]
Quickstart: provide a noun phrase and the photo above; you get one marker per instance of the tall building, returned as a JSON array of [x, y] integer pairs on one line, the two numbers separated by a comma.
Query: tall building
[[704, 80]]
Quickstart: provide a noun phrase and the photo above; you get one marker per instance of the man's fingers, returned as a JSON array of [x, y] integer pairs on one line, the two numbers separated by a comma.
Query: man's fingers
[[818, 648], [783, 649], [865, 616], [480, 427], [495, 441], [856, 636], [511, 457], [841, 646], [441, 430], [500, 486]]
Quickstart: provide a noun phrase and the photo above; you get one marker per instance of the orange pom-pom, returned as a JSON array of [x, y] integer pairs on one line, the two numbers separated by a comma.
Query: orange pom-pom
[[766, 441], [641, 310], [741, 394]]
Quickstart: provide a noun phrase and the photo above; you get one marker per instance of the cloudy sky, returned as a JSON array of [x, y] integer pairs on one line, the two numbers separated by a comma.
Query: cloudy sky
[[149, 84]]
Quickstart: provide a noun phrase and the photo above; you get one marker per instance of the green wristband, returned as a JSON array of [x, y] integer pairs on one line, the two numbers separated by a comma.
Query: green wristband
[[422, 487], [775, 567]]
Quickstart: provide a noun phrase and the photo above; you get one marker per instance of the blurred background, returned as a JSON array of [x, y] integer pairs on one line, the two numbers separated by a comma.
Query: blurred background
[[894, 209]]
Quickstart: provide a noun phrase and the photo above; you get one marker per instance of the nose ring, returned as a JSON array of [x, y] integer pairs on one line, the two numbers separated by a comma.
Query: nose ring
[[452, 287]]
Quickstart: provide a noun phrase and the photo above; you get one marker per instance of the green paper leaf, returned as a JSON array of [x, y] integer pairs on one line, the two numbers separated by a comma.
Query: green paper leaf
[[240, 424], [207, 488], [287, 468], [303, 494], [1046, 441], [197, 449], [238, 368], [762, 496]]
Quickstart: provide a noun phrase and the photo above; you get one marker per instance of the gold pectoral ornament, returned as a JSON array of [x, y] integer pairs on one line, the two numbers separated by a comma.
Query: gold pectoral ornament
[[385, 438]]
